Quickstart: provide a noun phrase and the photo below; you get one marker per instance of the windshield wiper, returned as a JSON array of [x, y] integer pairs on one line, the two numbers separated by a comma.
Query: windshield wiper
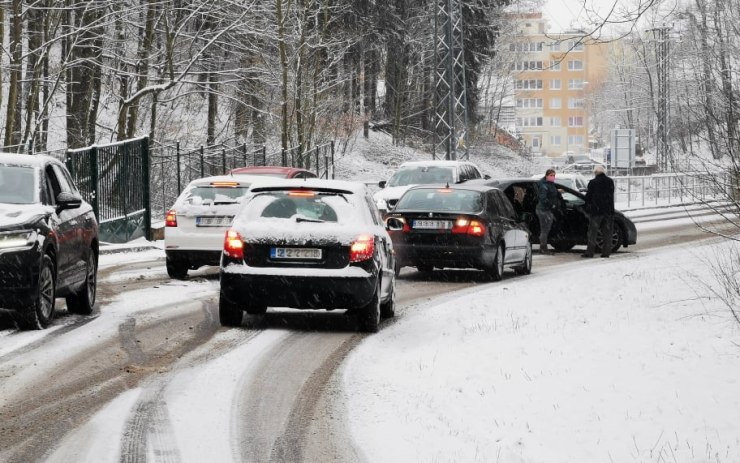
[[306, 219]]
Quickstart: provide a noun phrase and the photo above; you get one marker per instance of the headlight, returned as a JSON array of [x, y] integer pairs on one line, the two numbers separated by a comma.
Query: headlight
[[382, 205], [17, 239]]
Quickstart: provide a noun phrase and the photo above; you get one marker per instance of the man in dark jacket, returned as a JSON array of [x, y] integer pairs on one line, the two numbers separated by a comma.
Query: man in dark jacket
[[600, 209], [547, 200]]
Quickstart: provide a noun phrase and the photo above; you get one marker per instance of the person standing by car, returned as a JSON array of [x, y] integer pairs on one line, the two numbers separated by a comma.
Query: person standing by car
[[547, 200], [600, 209]]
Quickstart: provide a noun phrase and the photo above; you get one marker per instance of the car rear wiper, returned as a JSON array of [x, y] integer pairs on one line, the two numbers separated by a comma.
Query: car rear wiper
[[306, 219]]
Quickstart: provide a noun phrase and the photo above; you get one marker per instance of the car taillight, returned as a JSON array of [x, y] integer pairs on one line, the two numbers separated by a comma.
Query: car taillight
[[362, 248], [233, 245], [469, 227], [170, 219]]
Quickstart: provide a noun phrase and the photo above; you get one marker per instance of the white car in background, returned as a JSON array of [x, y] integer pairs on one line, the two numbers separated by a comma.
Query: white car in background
[[196, 224], [423, 173]]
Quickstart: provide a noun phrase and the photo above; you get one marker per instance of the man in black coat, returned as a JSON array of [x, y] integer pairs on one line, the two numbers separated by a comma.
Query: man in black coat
[[600, 210]]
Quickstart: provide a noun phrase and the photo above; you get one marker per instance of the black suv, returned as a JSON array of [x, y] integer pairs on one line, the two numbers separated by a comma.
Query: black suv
[[48, 241]]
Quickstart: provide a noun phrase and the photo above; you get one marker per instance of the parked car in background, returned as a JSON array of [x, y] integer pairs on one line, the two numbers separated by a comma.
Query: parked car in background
[[274, 171], [571, 223], [48, 241], [196, 222], [580, 163], [574, 181], [308, 244], [459, 226], [423, 173]]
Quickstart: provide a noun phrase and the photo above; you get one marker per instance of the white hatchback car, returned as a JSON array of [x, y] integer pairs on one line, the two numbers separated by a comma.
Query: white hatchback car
[[195, 225], [423, 173]]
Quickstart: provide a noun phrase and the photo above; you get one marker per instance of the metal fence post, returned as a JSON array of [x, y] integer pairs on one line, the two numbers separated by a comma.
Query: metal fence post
[[179, 179], [94, 181], [145, 163]]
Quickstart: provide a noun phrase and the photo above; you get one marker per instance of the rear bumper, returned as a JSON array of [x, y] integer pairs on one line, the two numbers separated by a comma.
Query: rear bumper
[[194, 258], [444, 256], [347, 288]]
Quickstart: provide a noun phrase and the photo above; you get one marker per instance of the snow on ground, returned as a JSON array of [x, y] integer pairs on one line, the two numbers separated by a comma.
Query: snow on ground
[[616, 360]]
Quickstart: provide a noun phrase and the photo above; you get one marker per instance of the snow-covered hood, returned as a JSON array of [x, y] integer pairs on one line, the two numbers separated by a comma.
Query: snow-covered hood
[[390, 192], [13, 216]]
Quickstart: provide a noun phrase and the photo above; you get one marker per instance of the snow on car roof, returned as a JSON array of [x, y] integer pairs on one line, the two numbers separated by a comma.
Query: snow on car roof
[[310, 183], [34, 160]]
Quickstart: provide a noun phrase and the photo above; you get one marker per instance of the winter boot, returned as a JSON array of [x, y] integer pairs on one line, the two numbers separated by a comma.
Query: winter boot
[[543, 248]]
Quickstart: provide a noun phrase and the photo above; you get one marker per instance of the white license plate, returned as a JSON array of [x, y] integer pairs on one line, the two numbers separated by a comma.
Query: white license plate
[[295, 253], [433, 224], [213, 221]]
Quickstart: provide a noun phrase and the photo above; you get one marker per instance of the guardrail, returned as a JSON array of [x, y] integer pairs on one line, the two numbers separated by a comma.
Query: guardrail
[[671, 189]]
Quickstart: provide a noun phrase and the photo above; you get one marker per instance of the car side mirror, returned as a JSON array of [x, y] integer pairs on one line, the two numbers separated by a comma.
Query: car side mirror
[[67, 200], [487, 177], [382, 183], [394, 224]]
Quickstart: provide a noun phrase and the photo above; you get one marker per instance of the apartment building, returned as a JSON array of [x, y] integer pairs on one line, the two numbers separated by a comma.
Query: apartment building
[[553, 76]]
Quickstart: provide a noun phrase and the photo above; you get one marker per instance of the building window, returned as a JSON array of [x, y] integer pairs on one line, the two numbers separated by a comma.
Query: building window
[[555, 46], [532, 84], [575, 65], [576, 103], [575, 140], [554, 65], [575, 121], [575, 84], [575, 45], [529, 121], [555, 103], [529, 103], [555, 84], [555, 140], [554, 122], [536, 142]]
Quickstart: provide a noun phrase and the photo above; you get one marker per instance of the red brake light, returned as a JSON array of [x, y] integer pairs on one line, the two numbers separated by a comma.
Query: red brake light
[[362, 248], [233, 245], [301, 193], [225, 184], [469, 227], [170, 219]]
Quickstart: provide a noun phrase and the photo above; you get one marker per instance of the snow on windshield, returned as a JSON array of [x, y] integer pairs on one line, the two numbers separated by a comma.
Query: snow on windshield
[[17, 185], [208, 194], [422, 175]]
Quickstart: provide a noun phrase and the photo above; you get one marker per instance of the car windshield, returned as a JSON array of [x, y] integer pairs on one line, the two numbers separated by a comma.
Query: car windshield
[[422, 175], [440, 199], [569, 182], [17, 185], [301, 206], [208, 194]]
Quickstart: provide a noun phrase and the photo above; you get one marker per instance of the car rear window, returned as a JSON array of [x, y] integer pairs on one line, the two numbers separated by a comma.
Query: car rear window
[[17, 185], [306, 206], [441, 199], [422, 175], [207, 194]]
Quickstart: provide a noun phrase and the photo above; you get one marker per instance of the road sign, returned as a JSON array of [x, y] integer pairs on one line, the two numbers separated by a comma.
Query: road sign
[[623, 148]]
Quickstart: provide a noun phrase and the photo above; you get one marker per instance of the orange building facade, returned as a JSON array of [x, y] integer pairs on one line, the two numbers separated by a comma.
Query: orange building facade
[[553, 76]]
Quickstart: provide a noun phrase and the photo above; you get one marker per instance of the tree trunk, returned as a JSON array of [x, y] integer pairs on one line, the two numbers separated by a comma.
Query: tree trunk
[[13, 119]]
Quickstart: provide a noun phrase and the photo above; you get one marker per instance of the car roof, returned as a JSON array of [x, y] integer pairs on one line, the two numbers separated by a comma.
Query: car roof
[[276, 183], [269, 170], [244, 180], [439, 163], [32, 160]]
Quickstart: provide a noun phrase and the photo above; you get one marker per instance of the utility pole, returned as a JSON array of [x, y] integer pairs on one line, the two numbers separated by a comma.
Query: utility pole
[[660, 35], [450, 115]]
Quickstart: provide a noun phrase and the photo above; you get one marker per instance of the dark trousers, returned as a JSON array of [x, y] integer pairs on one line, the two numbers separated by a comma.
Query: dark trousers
[[546, 220], [605, 224]]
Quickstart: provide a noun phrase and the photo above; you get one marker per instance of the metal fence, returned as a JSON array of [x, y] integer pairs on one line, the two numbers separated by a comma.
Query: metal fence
[[672, 189]]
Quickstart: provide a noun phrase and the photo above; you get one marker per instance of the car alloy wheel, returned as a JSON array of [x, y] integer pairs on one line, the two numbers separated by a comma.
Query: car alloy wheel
[[83, 301], [526, 267], [497, 269], [40, 314]]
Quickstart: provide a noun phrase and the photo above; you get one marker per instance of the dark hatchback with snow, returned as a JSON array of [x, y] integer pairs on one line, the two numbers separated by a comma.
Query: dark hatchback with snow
[[48, 241], [308, 244], [459, 226]]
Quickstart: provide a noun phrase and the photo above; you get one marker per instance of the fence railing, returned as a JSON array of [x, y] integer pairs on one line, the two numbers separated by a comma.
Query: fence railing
[[671, 189]]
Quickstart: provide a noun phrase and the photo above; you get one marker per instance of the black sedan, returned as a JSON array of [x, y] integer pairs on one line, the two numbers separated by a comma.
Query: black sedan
[[48, 241], [459, 226], [308, 244], [571, 223]]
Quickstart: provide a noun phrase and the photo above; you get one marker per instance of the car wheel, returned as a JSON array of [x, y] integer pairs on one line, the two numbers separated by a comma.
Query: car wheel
[[563, 246], [616, 240], [176, 270], [229, 312], [425, 268], [526, 267], [496, 271], [369, 315], [83, 301], [256, 309], [40, 314], [388, 308]]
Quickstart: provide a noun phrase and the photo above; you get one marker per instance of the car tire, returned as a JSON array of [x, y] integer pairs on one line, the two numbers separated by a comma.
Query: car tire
[[388, 308], [526, 267], [397, 268], [83, 301], [563, 246], [255, 309], [229, 312], [616, 239], [41, 312], [176, 270], [369, 315], [496, 271]]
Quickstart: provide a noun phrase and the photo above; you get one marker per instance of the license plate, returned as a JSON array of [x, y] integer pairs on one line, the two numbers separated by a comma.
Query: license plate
[[433, 224], [295, 253], [213, 221]]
